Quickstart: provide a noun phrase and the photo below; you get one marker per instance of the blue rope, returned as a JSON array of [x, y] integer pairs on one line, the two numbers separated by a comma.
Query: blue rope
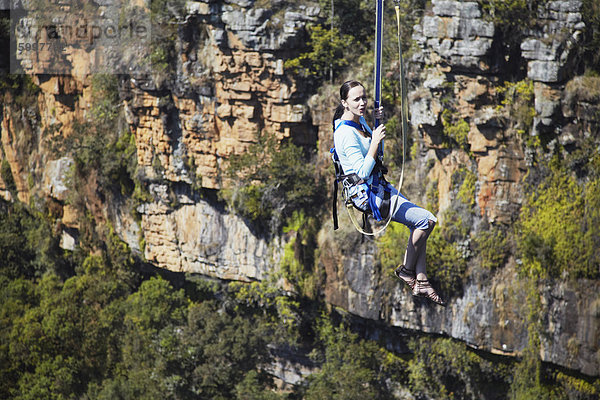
[[378, 54]]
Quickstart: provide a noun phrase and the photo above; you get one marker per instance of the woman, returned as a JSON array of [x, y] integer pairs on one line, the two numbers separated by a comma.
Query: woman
[[358, 148]]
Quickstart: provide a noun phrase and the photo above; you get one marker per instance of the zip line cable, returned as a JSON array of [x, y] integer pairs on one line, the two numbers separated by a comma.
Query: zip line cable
[[377, 104]]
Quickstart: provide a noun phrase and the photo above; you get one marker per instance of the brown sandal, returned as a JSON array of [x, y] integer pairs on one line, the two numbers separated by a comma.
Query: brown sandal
[[407, 276], [424, 289]]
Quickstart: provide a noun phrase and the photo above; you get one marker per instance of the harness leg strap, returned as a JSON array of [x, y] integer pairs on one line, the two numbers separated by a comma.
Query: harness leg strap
[[335, 217], [384, 209]]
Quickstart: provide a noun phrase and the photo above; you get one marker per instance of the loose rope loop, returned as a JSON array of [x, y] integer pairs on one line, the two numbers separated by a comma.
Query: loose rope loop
[[403, 96]]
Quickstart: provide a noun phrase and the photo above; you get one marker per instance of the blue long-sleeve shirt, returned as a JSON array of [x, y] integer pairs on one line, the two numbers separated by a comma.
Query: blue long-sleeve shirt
[[352, 148]]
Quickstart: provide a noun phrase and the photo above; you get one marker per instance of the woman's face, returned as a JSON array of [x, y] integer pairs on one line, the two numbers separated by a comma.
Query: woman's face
[[356, 103]]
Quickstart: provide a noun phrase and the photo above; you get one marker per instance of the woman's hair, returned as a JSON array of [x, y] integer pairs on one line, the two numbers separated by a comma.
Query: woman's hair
[[344, 89]]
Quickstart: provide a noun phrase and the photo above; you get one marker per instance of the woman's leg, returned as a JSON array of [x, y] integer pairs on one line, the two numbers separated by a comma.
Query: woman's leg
[[420, 222], [409, 255], [416, 249], [422, 286]]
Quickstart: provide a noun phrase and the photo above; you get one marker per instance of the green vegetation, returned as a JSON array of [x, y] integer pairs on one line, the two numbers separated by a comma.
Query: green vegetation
[[455, 131], [272, 180], [518, 102], [326, 53], [354, 18], [104, 168], [27, 244], [491, 245], [72, 327], [278, 312], [555, 230], [533, 379], [90, 335], [511, 14], [466, 191], [299, 259], [19, 95], [347, 35], [102, 147], [7, 177], [573, 384], [164, 15], [558, 229], [512, 19], [391, 246], [443, 368], [18, 89], [446, 265], [350, 367], [164, 11], [94, 323], [432, 196], [584, 88], [528, 373], [590, 14]]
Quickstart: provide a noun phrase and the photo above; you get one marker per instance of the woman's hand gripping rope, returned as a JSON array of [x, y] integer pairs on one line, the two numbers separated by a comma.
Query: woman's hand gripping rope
[[377, 137]]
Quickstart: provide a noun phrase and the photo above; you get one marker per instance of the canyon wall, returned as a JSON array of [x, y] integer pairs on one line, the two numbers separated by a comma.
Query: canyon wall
[[230, 84]]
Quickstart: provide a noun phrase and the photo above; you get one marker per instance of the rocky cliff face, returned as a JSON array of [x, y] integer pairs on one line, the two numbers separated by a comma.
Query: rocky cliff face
[[230, 84]]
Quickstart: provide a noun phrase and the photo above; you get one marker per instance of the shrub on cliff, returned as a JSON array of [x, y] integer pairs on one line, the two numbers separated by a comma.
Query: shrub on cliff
[[448, 369], [299, 258], [18, 89], [347, 34], [165, 16], [512, 19], [590, 14], [28, 247], [102, 146], [351, 368], [326, 54], [455, 131], [7, 177], [518, 102], [93, 336], [270, 181], [353, 17], [559, 226]]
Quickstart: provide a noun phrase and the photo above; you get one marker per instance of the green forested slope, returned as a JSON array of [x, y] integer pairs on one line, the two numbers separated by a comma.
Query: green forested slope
[[102, 326]]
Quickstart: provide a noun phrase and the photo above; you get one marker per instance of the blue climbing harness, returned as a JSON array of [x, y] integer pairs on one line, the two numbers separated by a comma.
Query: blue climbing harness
[[356, 191]]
